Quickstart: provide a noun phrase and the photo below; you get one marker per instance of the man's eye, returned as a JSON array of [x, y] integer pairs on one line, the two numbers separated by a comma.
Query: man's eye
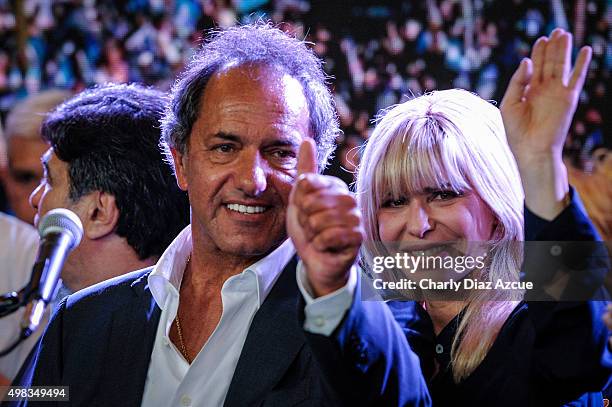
[[395, 203], [224, 148], [444, 195], [283, 154]]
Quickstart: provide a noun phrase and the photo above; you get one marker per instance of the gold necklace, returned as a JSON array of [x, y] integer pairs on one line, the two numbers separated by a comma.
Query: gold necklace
[[178, 327]]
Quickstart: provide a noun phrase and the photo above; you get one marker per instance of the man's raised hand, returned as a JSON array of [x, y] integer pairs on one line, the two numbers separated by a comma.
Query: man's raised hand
[[324, 223]]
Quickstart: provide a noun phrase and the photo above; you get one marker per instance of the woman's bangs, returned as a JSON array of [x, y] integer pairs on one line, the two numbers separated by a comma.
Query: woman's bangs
[[417, 161]]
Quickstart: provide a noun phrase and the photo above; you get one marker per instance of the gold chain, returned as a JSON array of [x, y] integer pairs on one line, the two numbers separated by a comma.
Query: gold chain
[[178, 327]]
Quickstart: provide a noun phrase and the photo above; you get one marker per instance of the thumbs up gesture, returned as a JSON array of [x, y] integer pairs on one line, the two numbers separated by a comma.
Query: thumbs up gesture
[[324, 223]]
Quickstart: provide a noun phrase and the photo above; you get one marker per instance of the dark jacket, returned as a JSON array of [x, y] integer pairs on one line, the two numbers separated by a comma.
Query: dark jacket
[[548, 353], [100, 340]]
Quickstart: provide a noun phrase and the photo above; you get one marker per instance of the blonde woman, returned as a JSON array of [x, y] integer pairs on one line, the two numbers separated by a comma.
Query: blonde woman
[[441, 168]]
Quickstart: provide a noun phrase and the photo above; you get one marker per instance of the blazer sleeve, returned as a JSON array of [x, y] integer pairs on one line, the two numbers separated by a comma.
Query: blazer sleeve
[[571, 354], [367, 360], [569, 248]]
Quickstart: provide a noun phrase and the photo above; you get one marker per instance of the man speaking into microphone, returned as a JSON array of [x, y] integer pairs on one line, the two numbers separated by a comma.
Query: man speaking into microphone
[[104, 164]]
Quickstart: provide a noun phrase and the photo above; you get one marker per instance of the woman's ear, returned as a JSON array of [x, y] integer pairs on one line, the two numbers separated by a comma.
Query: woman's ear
[[497, 230]]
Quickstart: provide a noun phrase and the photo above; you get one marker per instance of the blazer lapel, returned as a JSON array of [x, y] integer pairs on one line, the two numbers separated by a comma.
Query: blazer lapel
[[131, 343], [273, 341]]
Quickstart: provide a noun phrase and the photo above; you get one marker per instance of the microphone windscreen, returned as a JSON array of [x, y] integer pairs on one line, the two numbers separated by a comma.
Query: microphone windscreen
[[61, 220]]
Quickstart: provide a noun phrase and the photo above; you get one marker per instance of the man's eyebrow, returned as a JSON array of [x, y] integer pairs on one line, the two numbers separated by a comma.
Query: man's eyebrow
[[289, 142], [227, 136], [283, 142]]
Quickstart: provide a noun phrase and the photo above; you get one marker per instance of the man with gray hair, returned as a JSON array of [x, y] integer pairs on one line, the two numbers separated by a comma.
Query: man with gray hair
[[24, 147], [230, 315]]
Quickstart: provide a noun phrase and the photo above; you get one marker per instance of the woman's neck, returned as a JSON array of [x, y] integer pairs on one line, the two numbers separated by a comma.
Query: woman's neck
[[442, 312]]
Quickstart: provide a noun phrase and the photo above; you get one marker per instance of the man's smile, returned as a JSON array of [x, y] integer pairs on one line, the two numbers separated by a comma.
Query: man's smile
[[247, 209]]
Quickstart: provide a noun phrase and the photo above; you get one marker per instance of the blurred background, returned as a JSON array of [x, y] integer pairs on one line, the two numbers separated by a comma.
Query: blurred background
[[378, 53]]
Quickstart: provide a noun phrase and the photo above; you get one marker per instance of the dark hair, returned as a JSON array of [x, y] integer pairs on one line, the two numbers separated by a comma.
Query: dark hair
[[258, 43], [109, 137]]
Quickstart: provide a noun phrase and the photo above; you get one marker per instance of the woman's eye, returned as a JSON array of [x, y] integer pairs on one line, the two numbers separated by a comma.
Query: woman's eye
[[444, 195], [395, 203]]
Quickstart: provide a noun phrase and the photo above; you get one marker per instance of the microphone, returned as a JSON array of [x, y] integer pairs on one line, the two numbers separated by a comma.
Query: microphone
[[60, 231]]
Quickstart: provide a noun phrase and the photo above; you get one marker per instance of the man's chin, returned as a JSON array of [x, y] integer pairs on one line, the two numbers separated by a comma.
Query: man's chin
[[249, 248]]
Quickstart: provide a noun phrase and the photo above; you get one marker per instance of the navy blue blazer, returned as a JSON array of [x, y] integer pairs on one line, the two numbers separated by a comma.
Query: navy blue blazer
[[99, 342]]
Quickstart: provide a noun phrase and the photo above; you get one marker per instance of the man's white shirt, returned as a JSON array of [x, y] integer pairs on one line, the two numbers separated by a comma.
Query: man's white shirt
[[171, 381]]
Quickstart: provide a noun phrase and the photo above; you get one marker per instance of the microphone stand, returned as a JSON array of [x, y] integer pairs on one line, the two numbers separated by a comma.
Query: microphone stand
[[60, 231], [9, 303]]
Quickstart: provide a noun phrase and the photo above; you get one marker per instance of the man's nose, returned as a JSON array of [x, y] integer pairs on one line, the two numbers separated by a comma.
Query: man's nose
[[418, 219], [34, 198], [251, 174]]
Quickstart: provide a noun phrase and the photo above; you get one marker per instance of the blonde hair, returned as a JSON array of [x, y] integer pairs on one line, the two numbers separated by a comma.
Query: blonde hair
[[450, 139]]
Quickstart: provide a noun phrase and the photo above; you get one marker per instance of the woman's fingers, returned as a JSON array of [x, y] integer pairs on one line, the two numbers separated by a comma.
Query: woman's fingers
[[537, 57], [581, 68]]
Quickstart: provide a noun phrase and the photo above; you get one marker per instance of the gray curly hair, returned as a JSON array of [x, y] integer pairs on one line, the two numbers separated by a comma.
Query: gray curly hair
[[259, 43]]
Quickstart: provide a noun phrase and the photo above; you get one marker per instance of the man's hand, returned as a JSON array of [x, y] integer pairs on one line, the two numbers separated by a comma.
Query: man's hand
[[537, 111], [324, 223]]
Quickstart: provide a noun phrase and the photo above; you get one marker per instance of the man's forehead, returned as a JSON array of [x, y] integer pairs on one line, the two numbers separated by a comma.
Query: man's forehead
[[252, 70], [54, 165], [50, 161], [264, 77], [256, 98]]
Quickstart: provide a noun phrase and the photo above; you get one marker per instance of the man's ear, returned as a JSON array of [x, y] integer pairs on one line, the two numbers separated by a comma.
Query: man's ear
[[102, 215], [180, 168]]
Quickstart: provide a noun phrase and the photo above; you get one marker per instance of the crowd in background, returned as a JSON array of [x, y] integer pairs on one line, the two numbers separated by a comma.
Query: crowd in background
[[377, 52]]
